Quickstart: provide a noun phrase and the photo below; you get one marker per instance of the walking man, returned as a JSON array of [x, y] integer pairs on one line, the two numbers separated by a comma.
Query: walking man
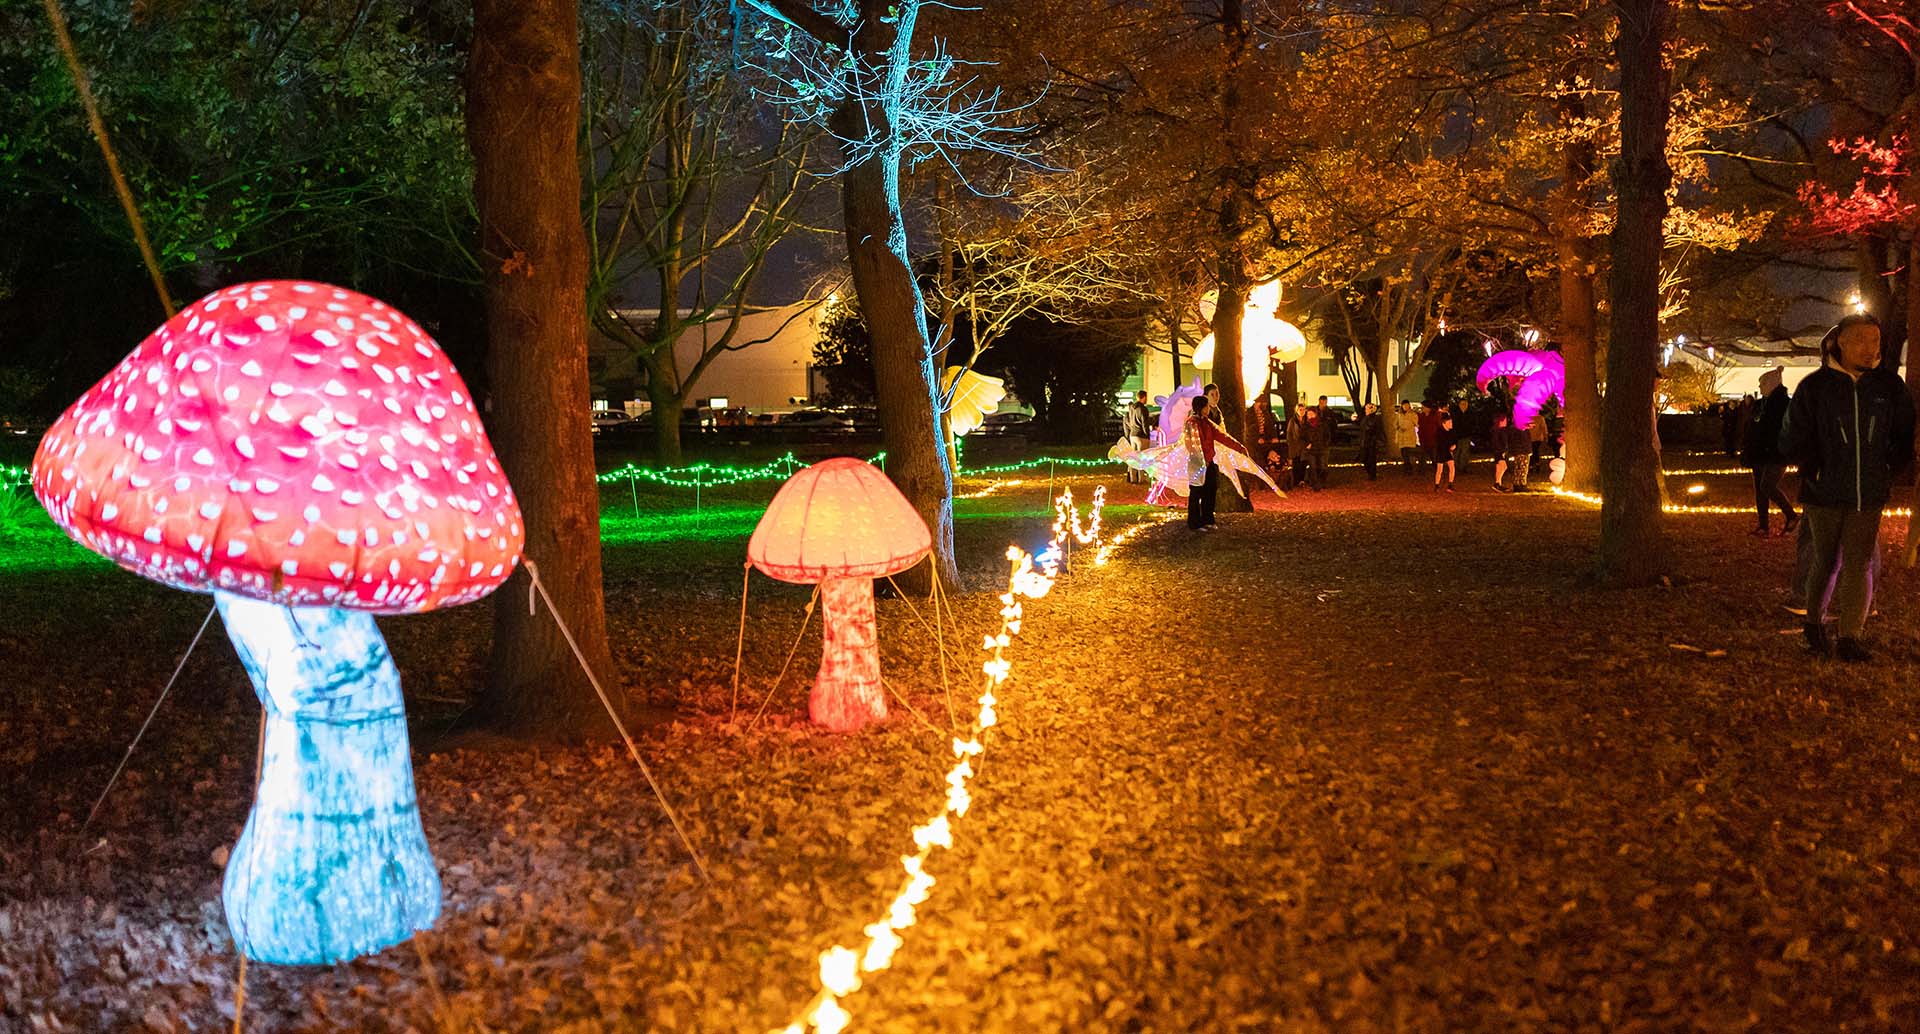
[[1762, 455], [1849, 428], [1138, 427]]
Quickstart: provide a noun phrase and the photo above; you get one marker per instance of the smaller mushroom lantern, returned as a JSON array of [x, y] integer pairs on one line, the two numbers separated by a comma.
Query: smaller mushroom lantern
[[310, 457], [840, 523]]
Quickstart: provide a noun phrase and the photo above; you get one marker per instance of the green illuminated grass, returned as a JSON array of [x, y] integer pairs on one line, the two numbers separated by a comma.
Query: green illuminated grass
[[652, 514]]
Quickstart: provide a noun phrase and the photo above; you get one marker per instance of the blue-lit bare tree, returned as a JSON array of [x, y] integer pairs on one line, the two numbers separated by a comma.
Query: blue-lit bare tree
[[851, 66]]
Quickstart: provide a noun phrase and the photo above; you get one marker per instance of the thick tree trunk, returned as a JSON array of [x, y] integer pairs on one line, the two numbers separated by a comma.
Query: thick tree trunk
[[523, 105], [1632, 546], [905, 381], [1231, 305], [1913, 311], [1580, 417], [1289, 384], [663, 395]]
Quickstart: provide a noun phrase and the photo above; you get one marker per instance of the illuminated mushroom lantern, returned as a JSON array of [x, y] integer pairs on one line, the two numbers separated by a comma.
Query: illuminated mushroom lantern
[[310, 457], [840, 523]]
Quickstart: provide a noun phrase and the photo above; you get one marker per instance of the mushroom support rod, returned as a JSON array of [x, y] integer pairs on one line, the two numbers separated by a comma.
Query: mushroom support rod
[[333, 862], [847, 693]]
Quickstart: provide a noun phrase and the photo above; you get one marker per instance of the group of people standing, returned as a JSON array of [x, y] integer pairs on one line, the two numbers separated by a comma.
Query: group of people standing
[[1848, 428], [1441, 438]]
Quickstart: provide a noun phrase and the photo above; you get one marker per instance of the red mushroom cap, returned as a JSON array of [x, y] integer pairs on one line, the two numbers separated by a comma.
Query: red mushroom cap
[[839, 518], [291, 442]]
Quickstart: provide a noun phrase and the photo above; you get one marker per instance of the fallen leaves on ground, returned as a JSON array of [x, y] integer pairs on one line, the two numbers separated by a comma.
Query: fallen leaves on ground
[[1366, 760]]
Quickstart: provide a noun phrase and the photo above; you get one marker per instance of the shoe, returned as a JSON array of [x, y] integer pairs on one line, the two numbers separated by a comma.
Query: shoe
[[1760, 532], [1847, 648], [1792, 525], [1817, 639], [1449, 489], [1436, 487], [1206, 527]]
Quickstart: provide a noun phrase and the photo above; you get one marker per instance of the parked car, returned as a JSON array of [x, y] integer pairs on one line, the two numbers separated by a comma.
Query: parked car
[[1006, 423], [817, 420], [612, 420]]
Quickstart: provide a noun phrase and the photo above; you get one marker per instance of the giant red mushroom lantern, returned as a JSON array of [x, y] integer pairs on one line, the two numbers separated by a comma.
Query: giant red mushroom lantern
[[310, 457], [840, 523]]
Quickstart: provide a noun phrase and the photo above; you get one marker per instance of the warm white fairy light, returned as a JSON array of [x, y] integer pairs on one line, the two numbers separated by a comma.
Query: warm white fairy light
[[1066, 520], [841, 967], [991, 488], [1594, 500]]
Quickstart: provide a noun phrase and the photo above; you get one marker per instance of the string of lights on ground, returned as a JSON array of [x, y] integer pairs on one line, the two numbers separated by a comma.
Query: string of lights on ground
[[1031, 577], [1590, 499]]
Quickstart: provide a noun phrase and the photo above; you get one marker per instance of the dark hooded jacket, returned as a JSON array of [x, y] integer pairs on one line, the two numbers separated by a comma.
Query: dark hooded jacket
[[1850, 438], [1763, 437]]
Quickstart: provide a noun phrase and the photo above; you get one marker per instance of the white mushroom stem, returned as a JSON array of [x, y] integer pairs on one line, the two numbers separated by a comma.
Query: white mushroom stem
[[847, 693], [333, 862]]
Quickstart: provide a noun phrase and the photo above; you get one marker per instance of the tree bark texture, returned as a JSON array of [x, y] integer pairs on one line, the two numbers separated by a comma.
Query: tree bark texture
[[523, 107], [1230, 307], [1632, 546], [667, 403], [905, 381], [1579, 269], [1236, 212], [1913, 312]]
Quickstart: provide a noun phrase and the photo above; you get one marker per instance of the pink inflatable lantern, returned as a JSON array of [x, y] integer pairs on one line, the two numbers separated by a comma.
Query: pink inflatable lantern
[[1533, 395], [1515, 365], [840, 523]]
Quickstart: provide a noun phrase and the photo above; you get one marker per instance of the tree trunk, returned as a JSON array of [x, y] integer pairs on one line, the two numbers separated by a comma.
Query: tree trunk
[[1227, 311], [1913, 311], [1632, 546], [905, 382], [1289, 384], [663, 395], [523, 106], [1580, 417]]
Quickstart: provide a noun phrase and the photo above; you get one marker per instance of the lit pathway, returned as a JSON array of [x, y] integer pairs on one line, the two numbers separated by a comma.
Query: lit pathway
[[1360, 770]]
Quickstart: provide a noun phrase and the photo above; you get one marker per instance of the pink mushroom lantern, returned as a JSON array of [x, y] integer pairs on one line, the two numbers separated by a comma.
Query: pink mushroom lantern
[[310, 457], [840, 523]]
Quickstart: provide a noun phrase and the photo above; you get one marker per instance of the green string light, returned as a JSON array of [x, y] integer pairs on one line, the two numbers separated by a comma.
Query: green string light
[[709, 475]]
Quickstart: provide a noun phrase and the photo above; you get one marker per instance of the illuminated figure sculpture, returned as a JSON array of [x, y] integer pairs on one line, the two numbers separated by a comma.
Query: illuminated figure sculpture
[[840, 523], [1172, 460], [971, 398], [1265, 339], [310, 457]]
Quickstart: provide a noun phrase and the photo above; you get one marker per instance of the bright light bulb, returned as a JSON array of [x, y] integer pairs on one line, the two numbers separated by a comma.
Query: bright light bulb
[[839, 970]]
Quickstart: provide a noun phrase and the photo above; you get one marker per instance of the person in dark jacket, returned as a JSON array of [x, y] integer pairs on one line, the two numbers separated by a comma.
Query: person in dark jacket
[[1138, 429], [1762, 455], [1443, 439], [1297, 445], [1319, 441], [1510, 450], [1849, 428], [1373, 439], [1265, 434]]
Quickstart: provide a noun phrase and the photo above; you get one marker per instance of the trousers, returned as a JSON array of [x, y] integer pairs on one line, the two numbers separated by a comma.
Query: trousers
[[1842, 552]]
